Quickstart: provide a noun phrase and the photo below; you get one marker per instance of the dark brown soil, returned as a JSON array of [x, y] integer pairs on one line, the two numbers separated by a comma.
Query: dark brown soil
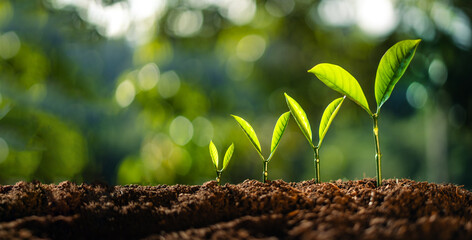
[[402, 209]]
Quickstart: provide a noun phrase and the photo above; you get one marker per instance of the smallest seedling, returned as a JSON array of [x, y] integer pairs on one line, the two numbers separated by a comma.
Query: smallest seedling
[[220, 166]]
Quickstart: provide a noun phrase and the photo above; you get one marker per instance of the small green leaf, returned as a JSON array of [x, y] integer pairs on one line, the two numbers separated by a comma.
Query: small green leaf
[[228, 155], [341, 81], [328, 116], [300, 117], [250, 133], [214, 154], [391, 68], [279, 130]]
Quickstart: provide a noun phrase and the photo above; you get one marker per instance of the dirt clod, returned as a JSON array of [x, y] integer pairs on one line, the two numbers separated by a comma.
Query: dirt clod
[[399, 209]]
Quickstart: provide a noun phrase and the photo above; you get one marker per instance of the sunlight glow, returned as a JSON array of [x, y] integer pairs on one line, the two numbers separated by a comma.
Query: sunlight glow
[[148, 76], [169, 84], [250, 48], [376, 18], [112, 21], [116, 20], [416, 95], [137, 20], [181, 130], [140, 9], [134, 18], [154, 149], [125, 93], [454, 22], [339, 13], [9, 45], [417, 20], [239, 12], [144, 16], [203, 131], [185, 23], [437, 72]]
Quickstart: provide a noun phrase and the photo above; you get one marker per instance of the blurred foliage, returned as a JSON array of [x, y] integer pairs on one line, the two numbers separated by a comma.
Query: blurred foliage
[[133, 91]]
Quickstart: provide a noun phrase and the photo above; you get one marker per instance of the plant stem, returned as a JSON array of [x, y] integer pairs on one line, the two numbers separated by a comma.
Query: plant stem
[[264, 172], [218, 177], [317, 165], [378, 155]]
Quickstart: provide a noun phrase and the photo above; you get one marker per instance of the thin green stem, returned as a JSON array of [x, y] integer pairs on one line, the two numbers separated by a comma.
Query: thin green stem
[[378, 155], [264, 172], [317, 165], [218, 177]]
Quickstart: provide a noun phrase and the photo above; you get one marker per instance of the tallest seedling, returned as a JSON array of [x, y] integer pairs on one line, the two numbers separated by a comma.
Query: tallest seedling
[[391, 68]]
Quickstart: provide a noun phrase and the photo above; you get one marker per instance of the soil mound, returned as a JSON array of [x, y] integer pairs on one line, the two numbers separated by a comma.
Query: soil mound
[[400, 209]]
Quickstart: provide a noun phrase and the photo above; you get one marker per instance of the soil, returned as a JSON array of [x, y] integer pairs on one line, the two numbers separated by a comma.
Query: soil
[[399, 209]]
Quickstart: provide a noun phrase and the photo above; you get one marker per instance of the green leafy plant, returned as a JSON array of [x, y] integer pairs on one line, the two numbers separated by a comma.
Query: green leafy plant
[[279, 130], [220, 166], [391, 68], [327, 118]]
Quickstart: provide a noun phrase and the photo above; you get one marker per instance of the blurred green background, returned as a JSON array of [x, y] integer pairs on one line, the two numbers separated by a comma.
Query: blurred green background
[[133, 91]]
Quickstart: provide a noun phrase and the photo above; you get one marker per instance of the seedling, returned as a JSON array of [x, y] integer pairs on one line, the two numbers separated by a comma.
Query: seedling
[[391, 68], [279, 130], [214, 157], [300, 117]]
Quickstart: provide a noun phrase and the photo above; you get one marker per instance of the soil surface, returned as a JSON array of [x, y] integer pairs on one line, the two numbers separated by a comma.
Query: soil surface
[[400, 209]]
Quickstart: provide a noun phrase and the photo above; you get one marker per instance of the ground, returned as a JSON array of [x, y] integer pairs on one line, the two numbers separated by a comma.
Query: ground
[[399, 209]]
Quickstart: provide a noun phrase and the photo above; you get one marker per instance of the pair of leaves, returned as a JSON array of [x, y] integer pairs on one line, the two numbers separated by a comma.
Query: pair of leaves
[[279, 130], [391, 68], [302, 121], [214, 156]]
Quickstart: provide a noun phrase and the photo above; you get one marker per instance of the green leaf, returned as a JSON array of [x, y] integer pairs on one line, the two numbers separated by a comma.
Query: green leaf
[[249, 131], [391, 68], [279, 130], [228, 155], [328, 116], [300, 117], [214, 154], [341, 81]]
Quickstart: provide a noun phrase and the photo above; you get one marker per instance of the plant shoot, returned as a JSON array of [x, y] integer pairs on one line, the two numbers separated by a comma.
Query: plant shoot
[[391, 68], [279, 130], [302, 121], [220, 166]]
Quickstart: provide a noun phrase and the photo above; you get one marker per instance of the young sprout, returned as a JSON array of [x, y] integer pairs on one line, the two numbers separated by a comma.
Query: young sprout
[[391, 68], [279, 130], [218, 164], [300, 117]]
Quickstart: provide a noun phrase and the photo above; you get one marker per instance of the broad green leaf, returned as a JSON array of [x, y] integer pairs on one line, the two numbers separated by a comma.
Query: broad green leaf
[[214, 154], [300, 117], [391, 68], [341, 81], [228, 155], [279, 130], [249, 131], [328, 116]]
